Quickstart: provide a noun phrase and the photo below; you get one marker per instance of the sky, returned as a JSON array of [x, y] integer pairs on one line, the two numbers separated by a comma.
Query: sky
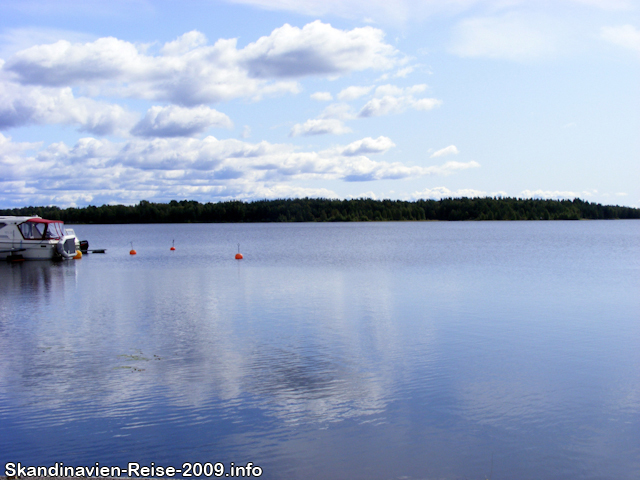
[[216, 100]]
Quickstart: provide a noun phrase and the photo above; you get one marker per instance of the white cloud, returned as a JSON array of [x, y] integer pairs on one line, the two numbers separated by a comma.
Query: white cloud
[[403, 72], [395, 91], [322, 96], [25, 105], [626, 36], [450, 150], [189, 72], [557, 194], [401, 12], [196, 168], [173, 121], [351, 93], [391, 99], [451, 167], [511, 37], [368, 194], [390, 105], [13, 40], [319, 126], [11, 152], [341, 111], [438, 193], [184, 43], [63, 63], [368, 145], [318, 49]]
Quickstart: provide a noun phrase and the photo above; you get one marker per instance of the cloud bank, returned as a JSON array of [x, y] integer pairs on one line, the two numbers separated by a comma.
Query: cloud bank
[[181, 167], [189, 72]]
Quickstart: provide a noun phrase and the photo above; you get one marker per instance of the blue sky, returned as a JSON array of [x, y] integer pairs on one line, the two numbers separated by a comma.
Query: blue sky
[[120, 101]]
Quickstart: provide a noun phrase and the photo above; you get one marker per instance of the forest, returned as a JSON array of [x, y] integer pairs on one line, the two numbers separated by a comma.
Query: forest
[[328, 210]]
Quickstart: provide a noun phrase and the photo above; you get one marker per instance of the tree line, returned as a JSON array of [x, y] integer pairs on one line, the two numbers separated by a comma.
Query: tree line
[[331, 210]]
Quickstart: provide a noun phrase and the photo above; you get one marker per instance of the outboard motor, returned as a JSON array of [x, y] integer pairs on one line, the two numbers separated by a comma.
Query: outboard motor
[[84, 246]]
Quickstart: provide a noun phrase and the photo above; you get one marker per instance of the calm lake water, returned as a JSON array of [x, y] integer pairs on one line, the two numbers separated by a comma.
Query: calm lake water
[[344, 351]]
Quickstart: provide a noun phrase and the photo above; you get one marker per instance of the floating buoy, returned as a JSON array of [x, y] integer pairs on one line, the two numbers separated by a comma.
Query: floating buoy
[[238, 255], [132, 251], [78, 255], [173, 243]]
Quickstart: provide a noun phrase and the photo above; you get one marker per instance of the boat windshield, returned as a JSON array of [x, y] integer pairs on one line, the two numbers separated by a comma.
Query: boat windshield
[[40, 230], [55, 230]]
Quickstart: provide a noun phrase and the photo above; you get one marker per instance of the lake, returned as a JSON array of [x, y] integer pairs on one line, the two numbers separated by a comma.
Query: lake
[[409, 350]]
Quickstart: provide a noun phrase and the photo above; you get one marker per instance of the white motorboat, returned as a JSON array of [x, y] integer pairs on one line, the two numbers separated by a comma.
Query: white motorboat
[[34, 238]]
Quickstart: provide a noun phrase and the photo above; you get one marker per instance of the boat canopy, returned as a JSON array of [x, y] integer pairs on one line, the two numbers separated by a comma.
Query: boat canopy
[[41, 229], [42, 220]]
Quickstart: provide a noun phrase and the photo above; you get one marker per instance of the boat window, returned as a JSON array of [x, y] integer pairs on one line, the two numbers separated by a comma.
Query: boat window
[[26, 229], [38, 230], [55, 230], [2, 225], [32, 231]]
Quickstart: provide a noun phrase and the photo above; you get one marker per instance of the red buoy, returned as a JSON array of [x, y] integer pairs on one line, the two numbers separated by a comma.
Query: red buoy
[[173, 245], [239, 255], [132, 251]]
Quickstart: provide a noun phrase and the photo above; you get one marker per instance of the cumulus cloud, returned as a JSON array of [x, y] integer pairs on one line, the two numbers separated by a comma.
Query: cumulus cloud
[[351, 93], [317, 49], [173, 121], [181, 166], [451, 167], [556, 194], [510, 36], [11, 152], [63, 63], [26, 105], [319, 126], [438, 193], [368, 145], [184, 43], [391, 99], [395, 91], [389, 105], [340, 111], [403, 72], [626, 36], [13, 40], [450, 150], [322, 96], [190, 72]]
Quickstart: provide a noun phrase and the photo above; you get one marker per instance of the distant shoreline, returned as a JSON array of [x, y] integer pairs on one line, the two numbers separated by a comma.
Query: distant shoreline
[[331, 210]]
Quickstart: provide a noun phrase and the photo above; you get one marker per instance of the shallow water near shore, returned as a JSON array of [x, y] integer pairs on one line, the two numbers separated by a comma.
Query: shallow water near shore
[[423, 350]]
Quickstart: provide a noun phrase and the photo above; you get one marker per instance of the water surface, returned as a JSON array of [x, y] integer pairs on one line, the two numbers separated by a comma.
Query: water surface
[[419, 350]]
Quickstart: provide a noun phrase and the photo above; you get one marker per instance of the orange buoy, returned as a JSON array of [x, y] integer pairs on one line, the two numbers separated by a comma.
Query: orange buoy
[[239, 255], [132, 251], [173, 242], [78, 255]]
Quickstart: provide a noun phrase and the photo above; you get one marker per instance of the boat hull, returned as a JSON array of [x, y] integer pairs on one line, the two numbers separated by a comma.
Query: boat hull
[[36, 251]]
